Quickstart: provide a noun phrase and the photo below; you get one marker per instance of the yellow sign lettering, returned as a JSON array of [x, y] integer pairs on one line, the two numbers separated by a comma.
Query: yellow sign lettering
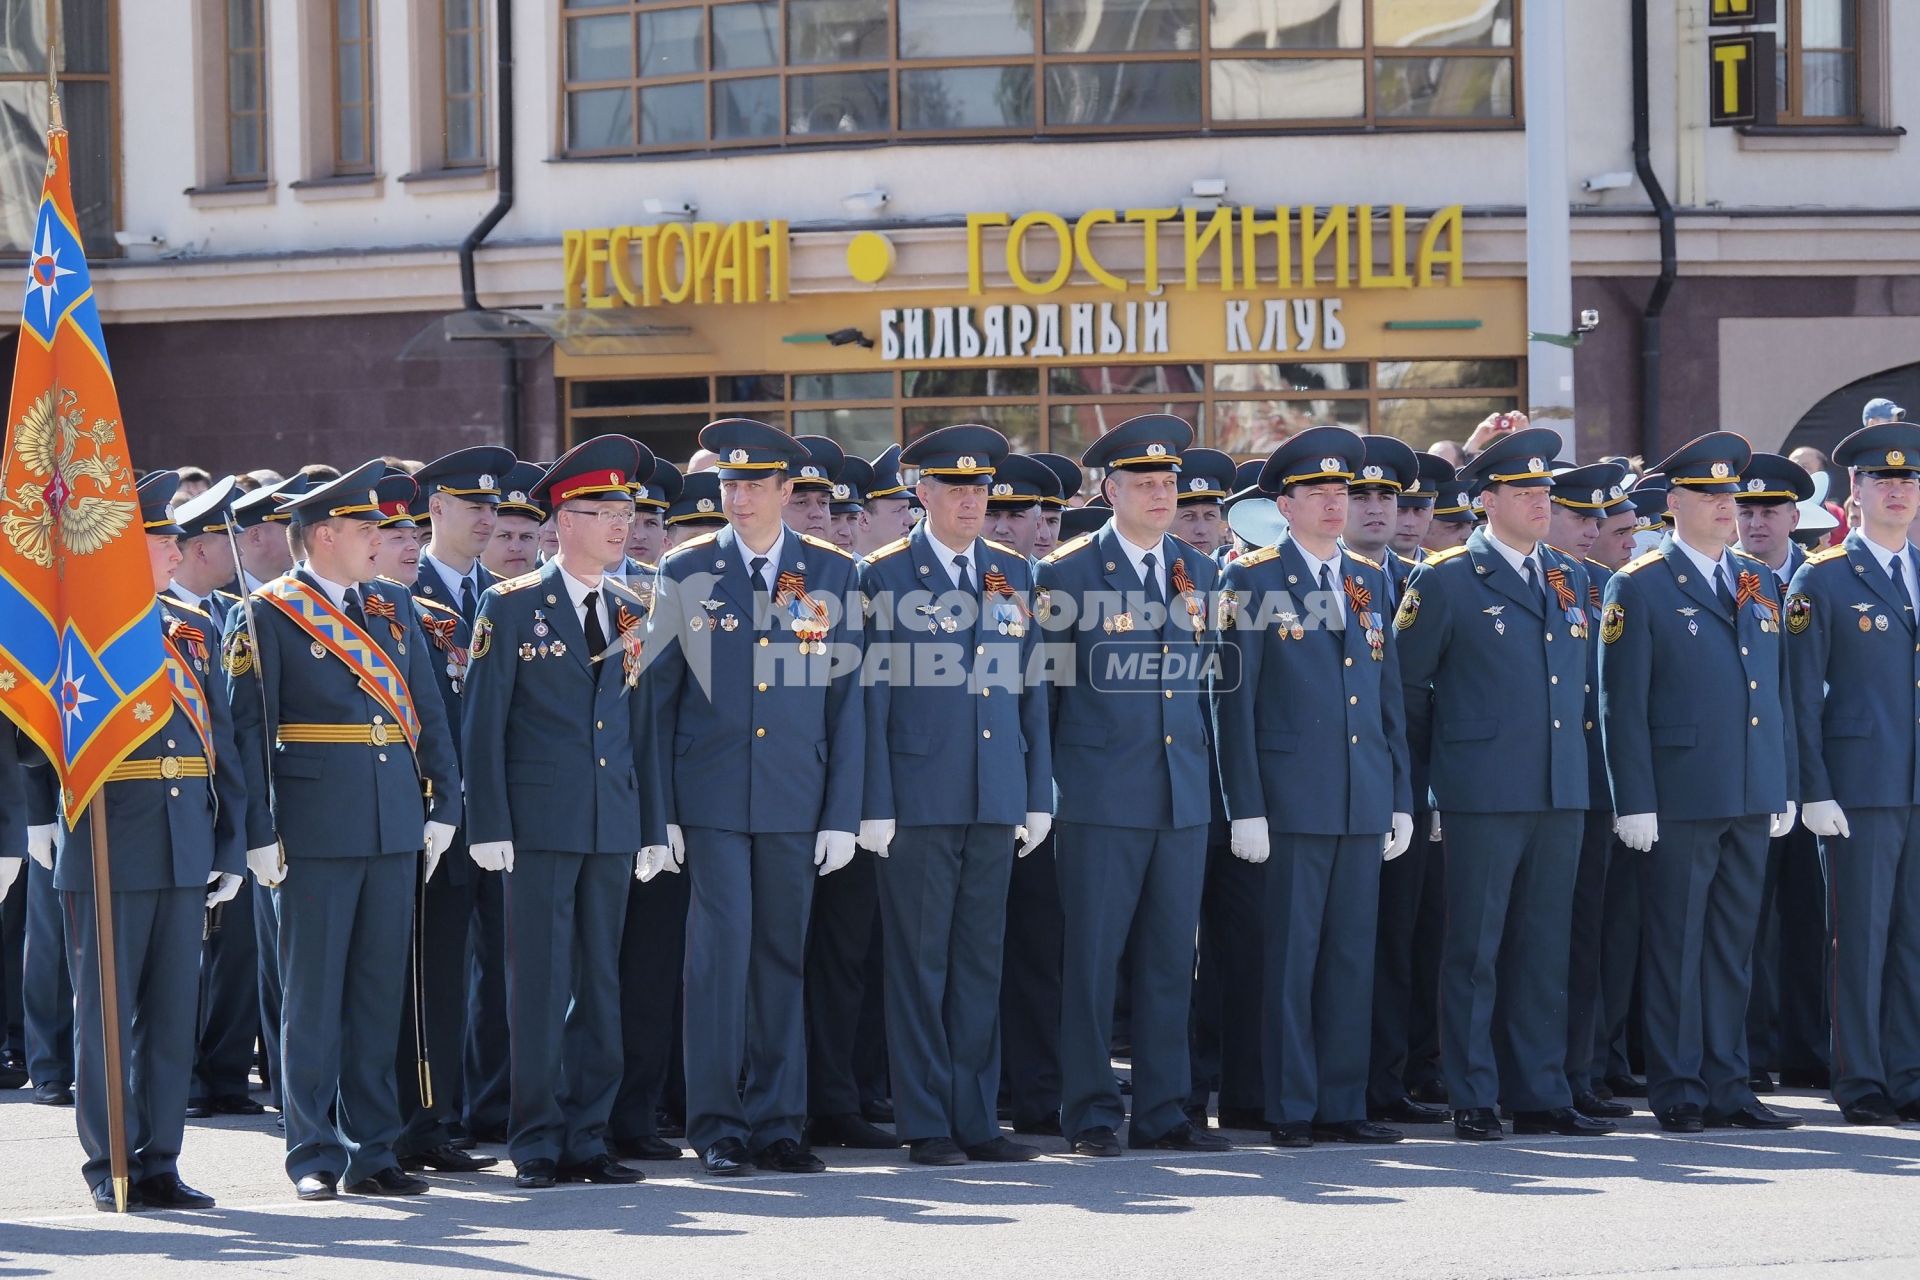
[[1445, 222], [1727, 59], [1219, 232], [1016, 238], [1313, 240], [1150, 220], [1396, 277], [1083, 247]]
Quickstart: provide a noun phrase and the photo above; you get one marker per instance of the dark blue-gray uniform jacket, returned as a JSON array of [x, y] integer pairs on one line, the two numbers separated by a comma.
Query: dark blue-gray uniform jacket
[[1130, 741], [1495, 682], [1312, 753], [757, 748], [1856, 687], [1694, 702], [558, 750], [448, 641], [969, 749], [337, 800], [13, 796], [1599, 788], [172, 833], [431, 585]]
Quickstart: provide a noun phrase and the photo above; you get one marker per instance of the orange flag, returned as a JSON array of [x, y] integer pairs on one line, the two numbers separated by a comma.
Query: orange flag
[[82, 661]]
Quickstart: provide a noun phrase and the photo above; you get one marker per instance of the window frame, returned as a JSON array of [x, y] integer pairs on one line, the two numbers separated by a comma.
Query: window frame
[[1788, 113], [369, 81], [115, 157], [234, 175], [893, 66], [480, 34]]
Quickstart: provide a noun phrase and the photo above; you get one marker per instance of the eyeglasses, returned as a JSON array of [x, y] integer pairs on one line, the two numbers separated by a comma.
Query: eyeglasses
[[608, 515]]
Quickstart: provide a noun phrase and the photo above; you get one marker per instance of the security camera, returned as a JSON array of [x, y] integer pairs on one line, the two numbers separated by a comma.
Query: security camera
[[1608, 181], [1589, 321], [138, 239], [669, 208], [864, 202]]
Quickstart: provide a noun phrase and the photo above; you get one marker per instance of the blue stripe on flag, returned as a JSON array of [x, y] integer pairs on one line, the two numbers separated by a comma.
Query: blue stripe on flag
[[29, 637], [137, 655]]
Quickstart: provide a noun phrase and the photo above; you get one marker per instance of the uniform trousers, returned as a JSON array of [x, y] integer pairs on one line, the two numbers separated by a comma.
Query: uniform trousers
[[156, 948], [746, 966], [1226, 997], [1503, 975], [653, 950], [442, 1013], [229, 1003], [1787, 1025], [266, 948], [1873, 919], [1406, 966], [485, 1083], [1585, 975], [1124, 890], [1030, 989], [345, 925], [846, 905], [1700, 904], [47, 997], [943, 899], [564, 913], [1322, 898]]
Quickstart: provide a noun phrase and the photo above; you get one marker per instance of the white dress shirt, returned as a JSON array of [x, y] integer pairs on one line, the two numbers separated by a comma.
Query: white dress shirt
[[770, 574], [1338, 609], [1138, 556], [577, 593], [946, 554]]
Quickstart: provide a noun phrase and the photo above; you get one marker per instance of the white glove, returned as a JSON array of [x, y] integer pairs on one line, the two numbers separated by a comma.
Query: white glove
[[494, 855], [677, 846], [9, 872], [1783, 822], [1637, 831], [1031, 832], [876, 834], [1825, 818], [221, 886], [654, 859], [40, 845], [1433, 827], [1399, 838], [1250, 841], [832, 850], [438, 839], [268, 864]]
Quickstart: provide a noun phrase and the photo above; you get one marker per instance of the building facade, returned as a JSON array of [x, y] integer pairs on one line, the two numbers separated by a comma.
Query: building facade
[[868, 218]]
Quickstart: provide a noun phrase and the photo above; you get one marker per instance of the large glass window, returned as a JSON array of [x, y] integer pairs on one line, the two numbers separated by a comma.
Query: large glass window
[[246, 92], [86, 101], [777, 72], [464, 88], [1817, 71], [353, 79]]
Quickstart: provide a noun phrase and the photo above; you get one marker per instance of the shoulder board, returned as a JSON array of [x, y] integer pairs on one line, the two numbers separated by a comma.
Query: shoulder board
[[1355, 555], [1831, 553], [1747, 555], [1451, 553], [425, 603], [226, 596], [1591, 563], [184, 607], [824, 545], [650, 568], [1258, 556], [892, 548], [1066, 548], [514, 584], [1563, 551], [620, 588], [1641, 561], [1003, 548], [1408, 561]]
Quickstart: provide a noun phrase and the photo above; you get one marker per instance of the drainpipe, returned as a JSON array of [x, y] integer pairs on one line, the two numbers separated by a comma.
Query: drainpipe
[[1669, 258], [503, 201]]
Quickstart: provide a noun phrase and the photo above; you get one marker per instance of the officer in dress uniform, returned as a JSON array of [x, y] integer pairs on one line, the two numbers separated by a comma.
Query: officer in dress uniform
[[1373, 512], [1453, 517], [891, 503], [1316, 666], [1855, 657], [1581, 498], [1700, 753], [1415, 507], [564, 795], [1787, 1017], [1206, 477], [175, 817], [647, 540], [514, 548], [849, 509], [751, 688], [1131, 764], [47, 987], [1492, 652], [364, 778], [955, 777], [1014, 502], [697, 510]]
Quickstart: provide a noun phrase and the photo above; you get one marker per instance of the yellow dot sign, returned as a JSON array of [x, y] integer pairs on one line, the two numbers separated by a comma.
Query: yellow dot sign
[[869, 257]]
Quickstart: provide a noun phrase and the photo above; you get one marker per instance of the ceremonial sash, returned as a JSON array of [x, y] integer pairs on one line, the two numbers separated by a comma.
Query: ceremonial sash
[[333, 631], [187, 691]]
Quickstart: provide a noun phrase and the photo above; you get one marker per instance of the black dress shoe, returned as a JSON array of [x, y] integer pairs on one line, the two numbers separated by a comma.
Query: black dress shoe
[[1806, 1078], [535, 1175], [1477, 1124], [103, 1197], [668, 1125], [646, 1147], [849, 1130], [603, 1169], [166, 1191], [199, 1108], [1627, 1086], [1601, 1091], [1002, 1151], [1097, 1141], [12, 1077], [1432, 1092], [487, 1135], [1045, 1126], [1359, 1132], [877, 1111], [463, 1143], [235, 1104], [726, 1158], [1195, 1114], [1875, 1108], [1242, 1118], [390, 1181], [1561, 1120], [1184, 1137], [1294, 1133], [1404, 1110], [936, 1151], [1592, 1104], [53, 1095], [1760, 1082], [317, 1186], [1909, 1111], [788, 1156], [1755, 1115], [447, 1159], [1685, 1118]]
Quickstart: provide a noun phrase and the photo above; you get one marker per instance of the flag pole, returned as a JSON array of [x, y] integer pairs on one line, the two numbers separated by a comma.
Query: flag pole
[[114, 1066]]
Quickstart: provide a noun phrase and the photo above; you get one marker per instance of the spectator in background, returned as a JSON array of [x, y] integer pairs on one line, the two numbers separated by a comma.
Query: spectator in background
[[702, 460], [262, 476], [319, 473], [194, 481], [1451, 450]]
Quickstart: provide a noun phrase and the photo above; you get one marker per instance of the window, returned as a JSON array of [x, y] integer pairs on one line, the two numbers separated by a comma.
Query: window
[[353, 75], [86, 102], [463, 96], [1817, 72], [1244, 409], [681, 75], [246, 80]]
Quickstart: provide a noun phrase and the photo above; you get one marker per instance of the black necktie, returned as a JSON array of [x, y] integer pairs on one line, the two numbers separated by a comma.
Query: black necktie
[[1151, 573], [1898, 574], [596, 634], [1326, 585], [469, 602], [1533, 580], [354, 613], [963, 576], [1721, 588], [758, 571]]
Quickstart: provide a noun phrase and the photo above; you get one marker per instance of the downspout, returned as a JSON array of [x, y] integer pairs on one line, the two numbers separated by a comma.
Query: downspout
[[1669, 266], [503, 201]]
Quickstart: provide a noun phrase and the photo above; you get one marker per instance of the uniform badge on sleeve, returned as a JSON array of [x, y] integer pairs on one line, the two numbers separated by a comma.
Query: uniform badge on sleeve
[[1409, 611], [1799, 614], [482, 639], [1613, 622], [238, 654]]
